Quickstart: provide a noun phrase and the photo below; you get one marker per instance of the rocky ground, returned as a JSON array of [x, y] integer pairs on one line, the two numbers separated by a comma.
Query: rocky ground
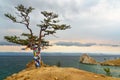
[[87, 59], [57, 73]]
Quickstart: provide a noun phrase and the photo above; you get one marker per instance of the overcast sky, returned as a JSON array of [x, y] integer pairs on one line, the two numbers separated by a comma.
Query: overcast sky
[[92, 20]]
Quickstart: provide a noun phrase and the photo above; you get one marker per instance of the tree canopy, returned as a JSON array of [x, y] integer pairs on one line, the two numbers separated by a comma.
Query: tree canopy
[[48, 26]]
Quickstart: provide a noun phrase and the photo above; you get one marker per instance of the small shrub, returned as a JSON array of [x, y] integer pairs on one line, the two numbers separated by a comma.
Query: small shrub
[[108, 72], [59, 64]]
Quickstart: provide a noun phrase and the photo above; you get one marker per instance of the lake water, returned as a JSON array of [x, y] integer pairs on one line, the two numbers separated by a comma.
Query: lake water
[[13, 62]]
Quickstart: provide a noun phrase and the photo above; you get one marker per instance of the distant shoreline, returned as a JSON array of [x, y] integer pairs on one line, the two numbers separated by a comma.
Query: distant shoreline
[[59, 49]]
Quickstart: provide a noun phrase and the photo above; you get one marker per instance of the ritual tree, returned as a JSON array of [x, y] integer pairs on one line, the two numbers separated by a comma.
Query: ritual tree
[[49, 25]]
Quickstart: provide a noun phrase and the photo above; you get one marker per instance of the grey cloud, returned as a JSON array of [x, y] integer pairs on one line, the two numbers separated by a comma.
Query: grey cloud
[[85, 22], [74, 44], [83, 45], [112, 45]]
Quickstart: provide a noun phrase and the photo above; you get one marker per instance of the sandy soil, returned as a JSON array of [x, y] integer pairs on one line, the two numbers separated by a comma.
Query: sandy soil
[[57, 73]]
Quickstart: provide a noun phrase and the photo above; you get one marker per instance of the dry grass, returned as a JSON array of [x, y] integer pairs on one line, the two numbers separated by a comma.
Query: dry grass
[[55, 73]]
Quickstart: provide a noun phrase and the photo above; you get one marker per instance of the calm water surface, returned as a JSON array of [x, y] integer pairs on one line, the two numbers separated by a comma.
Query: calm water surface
[[13, 62]]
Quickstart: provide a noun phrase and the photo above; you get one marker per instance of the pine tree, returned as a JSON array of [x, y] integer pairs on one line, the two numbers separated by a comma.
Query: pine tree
[[48, 26]]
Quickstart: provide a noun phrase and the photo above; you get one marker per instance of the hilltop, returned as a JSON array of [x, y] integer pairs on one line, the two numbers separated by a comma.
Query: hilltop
[[57, 73]]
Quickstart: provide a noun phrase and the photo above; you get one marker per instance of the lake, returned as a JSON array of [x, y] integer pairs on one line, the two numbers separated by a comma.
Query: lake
[[13, 62]]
